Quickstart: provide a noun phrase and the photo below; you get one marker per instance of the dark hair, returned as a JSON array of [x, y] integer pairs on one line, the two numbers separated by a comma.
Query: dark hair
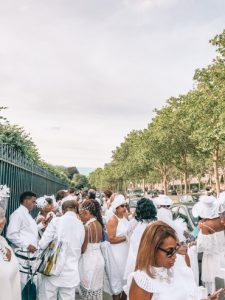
[[145, 210], [91, 195], [49, 201], [60, 195], [94, 208], [27, 195], [71, 190], [152, 238], [108, 193], [71, 204]]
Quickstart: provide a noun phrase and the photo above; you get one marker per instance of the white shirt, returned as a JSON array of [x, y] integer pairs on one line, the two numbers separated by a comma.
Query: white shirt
[[22, 230], [71, 231]]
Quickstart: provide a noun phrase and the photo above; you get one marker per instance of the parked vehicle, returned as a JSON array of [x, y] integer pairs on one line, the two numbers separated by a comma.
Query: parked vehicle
[[189, 198], [184, 211], [135, 193]]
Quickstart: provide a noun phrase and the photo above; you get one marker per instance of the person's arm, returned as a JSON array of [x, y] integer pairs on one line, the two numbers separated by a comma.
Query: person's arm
[[13, 232], [48, 235], [111, 230], [85, 243], [136, 292]]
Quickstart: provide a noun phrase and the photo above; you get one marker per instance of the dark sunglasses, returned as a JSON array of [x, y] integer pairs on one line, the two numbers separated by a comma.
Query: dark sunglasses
[[123, 205], [171, 251]]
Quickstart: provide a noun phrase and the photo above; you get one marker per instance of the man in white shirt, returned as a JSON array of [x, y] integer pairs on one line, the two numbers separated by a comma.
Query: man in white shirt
[[22, 232], [68, 229]]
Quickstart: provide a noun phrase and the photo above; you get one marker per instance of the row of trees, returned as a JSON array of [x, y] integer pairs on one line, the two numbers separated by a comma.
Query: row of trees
[[186, 137]]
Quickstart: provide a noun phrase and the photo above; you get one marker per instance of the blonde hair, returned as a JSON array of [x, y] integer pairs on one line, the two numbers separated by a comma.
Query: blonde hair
[[152, 238]]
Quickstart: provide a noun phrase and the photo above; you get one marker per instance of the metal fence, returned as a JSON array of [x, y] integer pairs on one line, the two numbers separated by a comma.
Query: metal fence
[[21, 174]]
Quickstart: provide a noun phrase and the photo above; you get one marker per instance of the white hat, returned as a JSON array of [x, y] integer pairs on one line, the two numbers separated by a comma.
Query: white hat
[[221, 202], [206, 208], [163, 200], [119, 200]]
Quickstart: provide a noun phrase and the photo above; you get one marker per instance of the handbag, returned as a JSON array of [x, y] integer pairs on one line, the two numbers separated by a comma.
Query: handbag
[[52, 259]]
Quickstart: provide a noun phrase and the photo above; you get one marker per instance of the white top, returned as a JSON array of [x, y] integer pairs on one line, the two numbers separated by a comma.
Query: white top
[[134, 245], [176, 283], [72, 232], [9, 275], [22, 230]]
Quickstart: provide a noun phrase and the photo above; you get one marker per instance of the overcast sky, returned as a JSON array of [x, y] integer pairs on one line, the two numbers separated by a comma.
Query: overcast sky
[[79, 75]]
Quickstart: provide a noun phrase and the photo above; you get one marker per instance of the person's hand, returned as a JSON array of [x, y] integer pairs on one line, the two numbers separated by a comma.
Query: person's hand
[[216, 295], [183, 249], [8, 254], [31, 248]]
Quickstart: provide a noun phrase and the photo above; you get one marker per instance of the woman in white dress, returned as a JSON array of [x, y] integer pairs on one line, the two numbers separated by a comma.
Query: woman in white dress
[[9, 270], [158, 274], [145, 215], [117, 229], [210, 239], [91, 264]]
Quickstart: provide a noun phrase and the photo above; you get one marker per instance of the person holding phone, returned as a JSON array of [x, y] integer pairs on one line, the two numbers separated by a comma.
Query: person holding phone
[[157, 275]]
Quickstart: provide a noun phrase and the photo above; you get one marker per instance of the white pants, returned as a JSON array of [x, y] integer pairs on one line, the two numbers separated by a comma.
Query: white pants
[[52, 292]]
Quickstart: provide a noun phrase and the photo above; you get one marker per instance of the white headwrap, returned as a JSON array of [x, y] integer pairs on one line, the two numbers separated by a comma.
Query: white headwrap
[[119, 200], [4, 197], [41, 201]]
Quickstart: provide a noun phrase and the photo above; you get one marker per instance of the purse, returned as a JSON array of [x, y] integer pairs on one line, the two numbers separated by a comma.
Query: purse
[[52, 259]]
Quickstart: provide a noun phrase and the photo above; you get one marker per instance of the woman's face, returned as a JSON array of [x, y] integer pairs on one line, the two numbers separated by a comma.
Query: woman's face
[[121, 210], [163, 255], [2, 219], [48, 207]]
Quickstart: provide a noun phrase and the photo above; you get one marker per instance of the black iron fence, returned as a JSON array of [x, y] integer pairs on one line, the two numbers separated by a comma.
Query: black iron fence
[[21, 174]]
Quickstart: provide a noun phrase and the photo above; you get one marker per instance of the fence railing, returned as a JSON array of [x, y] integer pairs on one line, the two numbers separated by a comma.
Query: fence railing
[[21, 174]]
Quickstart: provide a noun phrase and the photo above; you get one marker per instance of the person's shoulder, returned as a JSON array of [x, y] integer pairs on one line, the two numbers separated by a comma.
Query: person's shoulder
[[113, 220]]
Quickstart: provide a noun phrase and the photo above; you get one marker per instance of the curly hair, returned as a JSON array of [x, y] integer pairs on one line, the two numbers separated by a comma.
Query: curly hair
[[94, 208], [145, 210]]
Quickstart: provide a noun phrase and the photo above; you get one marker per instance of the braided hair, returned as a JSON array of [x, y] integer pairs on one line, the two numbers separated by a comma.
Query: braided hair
[[94, 208]]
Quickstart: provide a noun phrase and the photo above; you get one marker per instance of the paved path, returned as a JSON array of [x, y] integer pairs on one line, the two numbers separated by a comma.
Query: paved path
[[105, 297]]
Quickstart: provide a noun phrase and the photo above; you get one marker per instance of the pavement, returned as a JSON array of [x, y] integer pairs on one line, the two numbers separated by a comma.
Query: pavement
[[105, 297]]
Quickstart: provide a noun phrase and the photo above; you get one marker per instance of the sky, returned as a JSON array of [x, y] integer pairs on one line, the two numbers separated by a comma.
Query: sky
[[79, 75]]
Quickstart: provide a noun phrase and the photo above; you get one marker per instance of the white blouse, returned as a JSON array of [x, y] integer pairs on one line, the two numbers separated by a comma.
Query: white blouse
[[176, 283]]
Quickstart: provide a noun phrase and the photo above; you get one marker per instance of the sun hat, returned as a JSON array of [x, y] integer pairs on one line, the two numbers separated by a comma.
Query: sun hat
[[119, 200], [163, 200], [221, 202], [206, 208]]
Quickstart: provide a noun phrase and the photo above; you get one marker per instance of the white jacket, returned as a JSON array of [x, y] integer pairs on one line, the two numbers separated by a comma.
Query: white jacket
[[71, 231], [22, 230]]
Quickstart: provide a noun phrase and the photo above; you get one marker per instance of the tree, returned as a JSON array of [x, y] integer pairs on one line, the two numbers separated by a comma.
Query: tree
[[80, 181]]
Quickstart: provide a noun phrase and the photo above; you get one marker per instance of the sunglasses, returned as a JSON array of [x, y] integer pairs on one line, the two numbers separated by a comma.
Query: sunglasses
[[171, 251], [122, 205]]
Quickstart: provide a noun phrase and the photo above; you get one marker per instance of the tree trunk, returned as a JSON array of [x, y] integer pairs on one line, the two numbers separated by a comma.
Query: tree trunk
[[181, 185], [185, 183], [215, 167]]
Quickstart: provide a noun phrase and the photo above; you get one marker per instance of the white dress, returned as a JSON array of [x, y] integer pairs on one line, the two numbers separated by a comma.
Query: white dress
[[91, 268], [133, 248], [9, 275], [176, 283], [212, 245], [120, 251]]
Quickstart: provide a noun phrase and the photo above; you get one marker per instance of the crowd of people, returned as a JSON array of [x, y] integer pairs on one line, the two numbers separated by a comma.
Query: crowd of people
[[79, 243]]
